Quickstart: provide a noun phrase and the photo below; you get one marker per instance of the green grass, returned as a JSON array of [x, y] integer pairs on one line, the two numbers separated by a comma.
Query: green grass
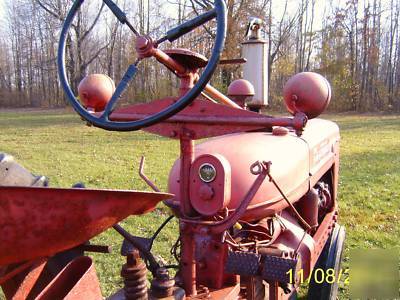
[[62, 148]]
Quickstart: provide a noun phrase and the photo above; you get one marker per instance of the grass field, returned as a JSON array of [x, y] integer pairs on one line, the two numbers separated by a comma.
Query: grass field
[[62, 148]]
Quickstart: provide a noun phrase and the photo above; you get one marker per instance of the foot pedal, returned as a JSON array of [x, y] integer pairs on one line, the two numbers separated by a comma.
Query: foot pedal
[[277, 269], [270, 268], [242, 263]]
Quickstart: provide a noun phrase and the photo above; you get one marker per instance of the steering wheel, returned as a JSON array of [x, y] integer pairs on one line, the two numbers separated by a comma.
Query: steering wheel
[[103, 121]]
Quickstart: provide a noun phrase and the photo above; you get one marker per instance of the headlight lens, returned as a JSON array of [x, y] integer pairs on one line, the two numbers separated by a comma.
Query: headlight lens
[[207, 172]]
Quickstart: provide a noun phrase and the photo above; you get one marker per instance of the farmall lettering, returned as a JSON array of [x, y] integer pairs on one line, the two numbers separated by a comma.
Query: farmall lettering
[[256, 200]]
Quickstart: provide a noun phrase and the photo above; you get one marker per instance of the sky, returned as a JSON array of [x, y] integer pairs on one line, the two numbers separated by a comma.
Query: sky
[[278, 9], [2, 14]]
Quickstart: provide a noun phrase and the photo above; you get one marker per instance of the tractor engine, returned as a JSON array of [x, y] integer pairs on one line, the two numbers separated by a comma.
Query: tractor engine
[[274, 236], [243, 225]]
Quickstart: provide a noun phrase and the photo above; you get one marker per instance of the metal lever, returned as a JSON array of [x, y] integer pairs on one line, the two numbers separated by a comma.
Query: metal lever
[[145, 178], [261, 169]]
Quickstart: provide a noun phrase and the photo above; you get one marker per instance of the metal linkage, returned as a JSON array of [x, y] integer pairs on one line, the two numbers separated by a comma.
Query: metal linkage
[[162, 285], [261, 173], [145, 178], [294, 210], [153, 264]]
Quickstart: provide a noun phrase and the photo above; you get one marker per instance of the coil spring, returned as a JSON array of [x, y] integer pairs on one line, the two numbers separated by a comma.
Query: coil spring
[[134, 273]]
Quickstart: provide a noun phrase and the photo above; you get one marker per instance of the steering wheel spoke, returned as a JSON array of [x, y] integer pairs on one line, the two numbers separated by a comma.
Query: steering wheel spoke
[[188, 26], [103, 121], [121, 16], [122, 86]]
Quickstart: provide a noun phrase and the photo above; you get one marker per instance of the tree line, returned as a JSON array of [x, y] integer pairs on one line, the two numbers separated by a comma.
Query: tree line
[[356, 45]]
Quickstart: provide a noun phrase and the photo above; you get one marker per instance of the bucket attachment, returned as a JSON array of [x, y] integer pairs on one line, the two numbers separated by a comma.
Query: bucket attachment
[[39, 222], [78, 280]]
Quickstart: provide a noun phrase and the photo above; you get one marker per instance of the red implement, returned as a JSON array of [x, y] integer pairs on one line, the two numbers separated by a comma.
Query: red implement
[[38, 222]]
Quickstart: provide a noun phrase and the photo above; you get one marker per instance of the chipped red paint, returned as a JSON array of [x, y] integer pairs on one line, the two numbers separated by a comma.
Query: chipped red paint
[[77, 281], [39, 222]]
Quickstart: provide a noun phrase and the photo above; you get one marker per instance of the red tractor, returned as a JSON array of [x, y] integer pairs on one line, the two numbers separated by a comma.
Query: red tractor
[[256, 201]]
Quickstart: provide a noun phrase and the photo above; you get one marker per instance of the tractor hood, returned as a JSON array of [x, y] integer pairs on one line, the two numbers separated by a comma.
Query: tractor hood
[[294, 161]]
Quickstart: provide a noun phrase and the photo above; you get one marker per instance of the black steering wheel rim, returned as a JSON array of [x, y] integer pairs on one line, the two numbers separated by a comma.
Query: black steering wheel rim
[[189, 97]]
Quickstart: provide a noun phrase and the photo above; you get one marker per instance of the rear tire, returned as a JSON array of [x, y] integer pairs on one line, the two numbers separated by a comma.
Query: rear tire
[[330, 258]]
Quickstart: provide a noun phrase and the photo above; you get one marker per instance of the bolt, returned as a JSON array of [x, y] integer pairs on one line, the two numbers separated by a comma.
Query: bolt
[[142, 43], [162, 273], [204, 230], [132, 258], [188, 134], [201, 265]]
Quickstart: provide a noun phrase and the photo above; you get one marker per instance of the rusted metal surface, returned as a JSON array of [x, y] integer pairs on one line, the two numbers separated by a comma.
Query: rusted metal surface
[[187, 58], [226, 293], [162, 286], [308, 208], [95, 248], [134, 273], [77, 281], [295, 241], [187, 158], [232, 61], [137, 243], [208, 253], [33, 219], [188, 260], [20, 285], [322, 234], [9, 272], [204, 119]]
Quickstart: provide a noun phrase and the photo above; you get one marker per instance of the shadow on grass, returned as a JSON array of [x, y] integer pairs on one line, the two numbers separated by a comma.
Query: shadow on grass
[[369, 124]]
